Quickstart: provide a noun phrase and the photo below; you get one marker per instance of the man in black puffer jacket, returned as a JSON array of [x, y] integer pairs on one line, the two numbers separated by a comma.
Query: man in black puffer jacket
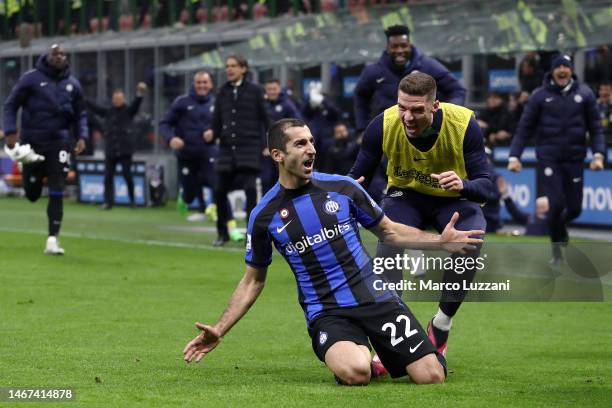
[[239, 122], [119, 141], [52, 116], [559, 114]]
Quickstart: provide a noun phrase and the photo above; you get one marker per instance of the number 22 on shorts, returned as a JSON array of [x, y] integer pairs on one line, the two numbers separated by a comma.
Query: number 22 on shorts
[[407, 332]]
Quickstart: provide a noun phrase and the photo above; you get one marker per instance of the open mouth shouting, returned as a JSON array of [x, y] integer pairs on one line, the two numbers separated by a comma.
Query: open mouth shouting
[[308, 165]]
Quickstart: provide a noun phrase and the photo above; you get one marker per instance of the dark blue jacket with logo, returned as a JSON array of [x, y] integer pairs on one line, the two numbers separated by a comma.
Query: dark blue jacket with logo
[[560, 120], [189, 116], [52, 106], [282, 108], [376, 88]]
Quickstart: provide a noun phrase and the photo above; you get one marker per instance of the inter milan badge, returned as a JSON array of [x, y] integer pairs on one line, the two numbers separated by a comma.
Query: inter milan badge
[[69, 87], [322, 338], [331, 206], [284, 213]]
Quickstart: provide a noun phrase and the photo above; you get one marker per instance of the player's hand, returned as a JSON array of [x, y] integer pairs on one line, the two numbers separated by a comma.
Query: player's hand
[[597, 162], [449, 180], [80, 146], [208, 136], [202, 344], [514, 165], [176, 143], [141, 89], [361, 179], [22, 153], [455, 241], [265, 152], [502, 186]]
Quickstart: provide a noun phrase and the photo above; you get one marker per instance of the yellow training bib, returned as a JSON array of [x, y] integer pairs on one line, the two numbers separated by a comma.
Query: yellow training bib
[[410, 168]]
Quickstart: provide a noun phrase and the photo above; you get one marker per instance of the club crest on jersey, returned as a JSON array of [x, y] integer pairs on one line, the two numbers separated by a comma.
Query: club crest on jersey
[[284, 213], [331, 206], [322, 338], [69, 87]]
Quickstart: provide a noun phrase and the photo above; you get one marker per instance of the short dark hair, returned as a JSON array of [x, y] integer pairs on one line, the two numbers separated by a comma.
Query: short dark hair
[[240, 60], [277, 138], [605, 83], [396, 30], [419, 84], [272, 81]]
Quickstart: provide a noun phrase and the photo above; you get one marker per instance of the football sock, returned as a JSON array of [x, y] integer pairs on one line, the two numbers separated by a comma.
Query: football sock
[[442, 321], [55, 212]]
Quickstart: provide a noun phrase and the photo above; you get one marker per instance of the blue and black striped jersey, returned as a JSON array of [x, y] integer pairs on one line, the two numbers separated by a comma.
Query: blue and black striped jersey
[[315, 228]]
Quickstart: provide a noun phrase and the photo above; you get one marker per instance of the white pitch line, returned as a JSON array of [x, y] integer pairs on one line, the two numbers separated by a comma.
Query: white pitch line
[[125, 240]]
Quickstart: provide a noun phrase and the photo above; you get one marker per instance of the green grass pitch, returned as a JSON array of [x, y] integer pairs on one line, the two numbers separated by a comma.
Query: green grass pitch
[[111, 317]]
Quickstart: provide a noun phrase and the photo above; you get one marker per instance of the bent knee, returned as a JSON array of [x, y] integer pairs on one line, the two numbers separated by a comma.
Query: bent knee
[[429, 375], [426, 370], [354, 374]]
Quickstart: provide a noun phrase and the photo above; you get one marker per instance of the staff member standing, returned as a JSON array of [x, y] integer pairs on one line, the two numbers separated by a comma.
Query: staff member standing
[[239, 122], [560, 113], [183, 129], [118, 141]]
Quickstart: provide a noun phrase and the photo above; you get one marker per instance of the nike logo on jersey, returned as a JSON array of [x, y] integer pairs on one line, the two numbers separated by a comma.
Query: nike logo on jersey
[[43, 83], [419, 158], [549, 99], [576, 179], [281, 229], [379, 80], [190, 107], [413, 349]]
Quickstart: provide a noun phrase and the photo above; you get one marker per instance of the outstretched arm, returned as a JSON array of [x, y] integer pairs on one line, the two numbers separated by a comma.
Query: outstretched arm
[[245, 294], [404, 236]]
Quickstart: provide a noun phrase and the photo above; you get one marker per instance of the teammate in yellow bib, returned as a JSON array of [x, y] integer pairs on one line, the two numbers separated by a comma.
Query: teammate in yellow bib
[[436, 166], [409, 167]]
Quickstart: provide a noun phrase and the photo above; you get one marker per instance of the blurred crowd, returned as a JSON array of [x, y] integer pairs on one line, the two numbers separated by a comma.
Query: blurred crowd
[[29, 17]]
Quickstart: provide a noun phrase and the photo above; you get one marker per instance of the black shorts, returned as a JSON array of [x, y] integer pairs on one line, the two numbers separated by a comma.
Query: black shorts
[[390, 328], [55, 167]]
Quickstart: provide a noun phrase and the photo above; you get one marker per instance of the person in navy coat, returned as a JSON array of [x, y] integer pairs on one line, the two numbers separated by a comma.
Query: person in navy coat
[[53, 116], [559, 114]]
